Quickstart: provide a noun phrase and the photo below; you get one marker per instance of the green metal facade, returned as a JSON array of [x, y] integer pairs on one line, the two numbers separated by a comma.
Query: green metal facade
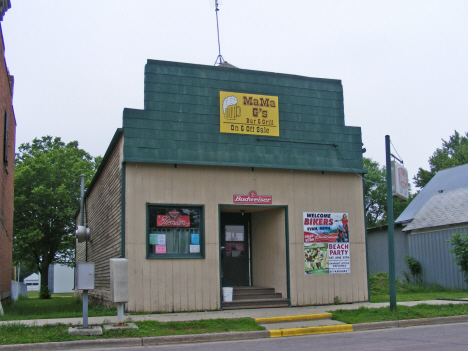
[[180, 121]]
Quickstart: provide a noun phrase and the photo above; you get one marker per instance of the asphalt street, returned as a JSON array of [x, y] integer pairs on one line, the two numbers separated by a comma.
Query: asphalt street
[[448, 337]]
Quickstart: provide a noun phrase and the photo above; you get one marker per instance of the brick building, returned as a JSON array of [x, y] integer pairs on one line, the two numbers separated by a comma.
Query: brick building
[[7, 160], [230, 178]]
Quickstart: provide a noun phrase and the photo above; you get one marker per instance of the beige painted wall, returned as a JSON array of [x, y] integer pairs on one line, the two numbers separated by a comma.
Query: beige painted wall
[[193, 284], [269, 250]]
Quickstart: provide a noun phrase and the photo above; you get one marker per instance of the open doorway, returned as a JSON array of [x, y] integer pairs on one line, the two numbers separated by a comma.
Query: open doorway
[[254, 254]]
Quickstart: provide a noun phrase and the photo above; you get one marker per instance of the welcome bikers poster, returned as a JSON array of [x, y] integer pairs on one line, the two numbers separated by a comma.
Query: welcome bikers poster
[[326, 243]]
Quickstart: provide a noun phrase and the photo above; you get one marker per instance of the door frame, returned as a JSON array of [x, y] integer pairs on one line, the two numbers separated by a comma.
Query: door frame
[[286, 230]]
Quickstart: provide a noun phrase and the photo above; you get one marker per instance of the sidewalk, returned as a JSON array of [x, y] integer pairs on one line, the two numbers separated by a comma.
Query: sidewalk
[[315, 326], [245, 313]]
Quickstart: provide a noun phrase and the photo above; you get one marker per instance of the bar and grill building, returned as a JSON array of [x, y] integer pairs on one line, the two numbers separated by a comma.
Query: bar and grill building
[[230, 178]]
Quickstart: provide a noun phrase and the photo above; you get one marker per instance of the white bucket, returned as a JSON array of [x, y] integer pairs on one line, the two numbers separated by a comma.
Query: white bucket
[[227, 294]]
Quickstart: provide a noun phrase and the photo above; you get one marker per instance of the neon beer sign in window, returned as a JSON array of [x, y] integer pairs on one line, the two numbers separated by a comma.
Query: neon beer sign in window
[[173, 219]]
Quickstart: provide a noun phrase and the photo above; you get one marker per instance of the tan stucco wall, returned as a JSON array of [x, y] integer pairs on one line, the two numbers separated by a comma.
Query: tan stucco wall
[[328, 192], [193, 284]]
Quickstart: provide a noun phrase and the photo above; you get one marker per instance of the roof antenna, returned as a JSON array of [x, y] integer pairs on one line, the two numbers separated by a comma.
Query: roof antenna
[[220, 57]]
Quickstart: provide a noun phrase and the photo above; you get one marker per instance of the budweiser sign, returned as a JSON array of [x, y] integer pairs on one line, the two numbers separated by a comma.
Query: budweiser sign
[[173, 219], [252, 198]]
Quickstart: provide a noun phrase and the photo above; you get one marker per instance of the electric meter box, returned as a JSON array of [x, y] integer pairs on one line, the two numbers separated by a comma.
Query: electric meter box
[[85, 275], [119, 280]]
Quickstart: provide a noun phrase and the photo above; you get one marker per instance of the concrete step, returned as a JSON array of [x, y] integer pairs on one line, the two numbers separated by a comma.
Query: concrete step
[[257, 296], [255, 303], [252, 291]]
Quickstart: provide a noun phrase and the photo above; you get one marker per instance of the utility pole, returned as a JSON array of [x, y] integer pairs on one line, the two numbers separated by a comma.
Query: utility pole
[[391, 240]]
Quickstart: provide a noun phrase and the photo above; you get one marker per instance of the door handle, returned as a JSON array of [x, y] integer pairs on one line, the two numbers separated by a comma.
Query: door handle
[[222, 247]]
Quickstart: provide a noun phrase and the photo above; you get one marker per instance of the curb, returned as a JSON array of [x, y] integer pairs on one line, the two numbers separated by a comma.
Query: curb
[[197, 338], [77, 344], [410, 323], [343, 328], [146, 341]]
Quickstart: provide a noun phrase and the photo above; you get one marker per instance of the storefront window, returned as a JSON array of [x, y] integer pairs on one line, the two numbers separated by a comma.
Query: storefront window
[[175, 232]]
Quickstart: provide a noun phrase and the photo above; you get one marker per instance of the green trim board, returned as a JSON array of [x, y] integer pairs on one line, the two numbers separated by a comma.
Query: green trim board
[[180, 121], [122, 204], [219, 260], [288, 264]]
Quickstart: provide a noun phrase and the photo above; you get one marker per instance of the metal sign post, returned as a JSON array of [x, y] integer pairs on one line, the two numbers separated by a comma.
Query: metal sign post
[[84, 273], [391, 241], [85, 308]]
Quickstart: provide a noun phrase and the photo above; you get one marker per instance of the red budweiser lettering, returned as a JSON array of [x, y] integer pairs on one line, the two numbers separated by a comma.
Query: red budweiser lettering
[[252, 198], [173, 219]]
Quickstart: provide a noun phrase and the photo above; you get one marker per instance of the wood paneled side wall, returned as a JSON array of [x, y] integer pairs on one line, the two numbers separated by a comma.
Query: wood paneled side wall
[[103, 214], [193, 284]]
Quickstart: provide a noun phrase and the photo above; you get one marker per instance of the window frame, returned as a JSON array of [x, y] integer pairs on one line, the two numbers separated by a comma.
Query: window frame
[[200, 255]]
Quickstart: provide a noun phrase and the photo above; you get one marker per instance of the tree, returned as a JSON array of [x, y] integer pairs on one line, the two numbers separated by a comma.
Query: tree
[[454, 152], [47, 192], [375, 195], [460, 250]]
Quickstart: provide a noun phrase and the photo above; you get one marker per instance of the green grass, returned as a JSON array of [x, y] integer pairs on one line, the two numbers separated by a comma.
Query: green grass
[[56, 307], [379, 287], [34, 294], [379, 291], [368, 315], [446, 295], [20, 334]]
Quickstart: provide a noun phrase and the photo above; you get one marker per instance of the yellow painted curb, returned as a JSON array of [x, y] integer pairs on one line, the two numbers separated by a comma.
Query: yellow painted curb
[[293, 318], [343, 328]]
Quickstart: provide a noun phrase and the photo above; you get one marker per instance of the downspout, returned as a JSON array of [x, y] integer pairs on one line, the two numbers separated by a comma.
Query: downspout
[[365, 232], [122, 199], [82, 212]]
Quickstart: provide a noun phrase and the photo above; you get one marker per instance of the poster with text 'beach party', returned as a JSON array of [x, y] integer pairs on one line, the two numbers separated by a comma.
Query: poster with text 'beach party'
[[326, 243]]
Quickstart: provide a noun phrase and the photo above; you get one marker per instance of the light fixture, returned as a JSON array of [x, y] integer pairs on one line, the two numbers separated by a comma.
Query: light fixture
[[242, 212]]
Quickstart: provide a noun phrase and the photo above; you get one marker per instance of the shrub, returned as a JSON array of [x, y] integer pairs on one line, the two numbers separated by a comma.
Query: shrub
[[44, 293], [460, 250], [415, 270]]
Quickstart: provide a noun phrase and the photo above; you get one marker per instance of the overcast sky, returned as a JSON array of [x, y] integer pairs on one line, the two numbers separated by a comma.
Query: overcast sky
[[403, 64]]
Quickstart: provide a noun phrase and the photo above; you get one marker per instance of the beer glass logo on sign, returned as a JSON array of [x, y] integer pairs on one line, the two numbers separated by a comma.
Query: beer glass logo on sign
[[230, 108]]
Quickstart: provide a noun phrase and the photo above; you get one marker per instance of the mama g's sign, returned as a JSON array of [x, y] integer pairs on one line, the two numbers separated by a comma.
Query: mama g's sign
[[241, 113]]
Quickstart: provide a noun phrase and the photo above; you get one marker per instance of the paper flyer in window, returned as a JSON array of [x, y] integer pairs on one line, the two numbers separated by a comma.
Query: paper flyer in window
[[234, 233], [153, 239], [160, 249], [195, 239], [194, 248], [161, 239]]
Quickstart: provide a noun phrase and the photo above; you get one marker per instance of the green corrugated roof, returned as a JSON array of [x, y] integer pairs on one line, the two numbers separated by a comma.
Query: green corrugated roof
[[180, 121]]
